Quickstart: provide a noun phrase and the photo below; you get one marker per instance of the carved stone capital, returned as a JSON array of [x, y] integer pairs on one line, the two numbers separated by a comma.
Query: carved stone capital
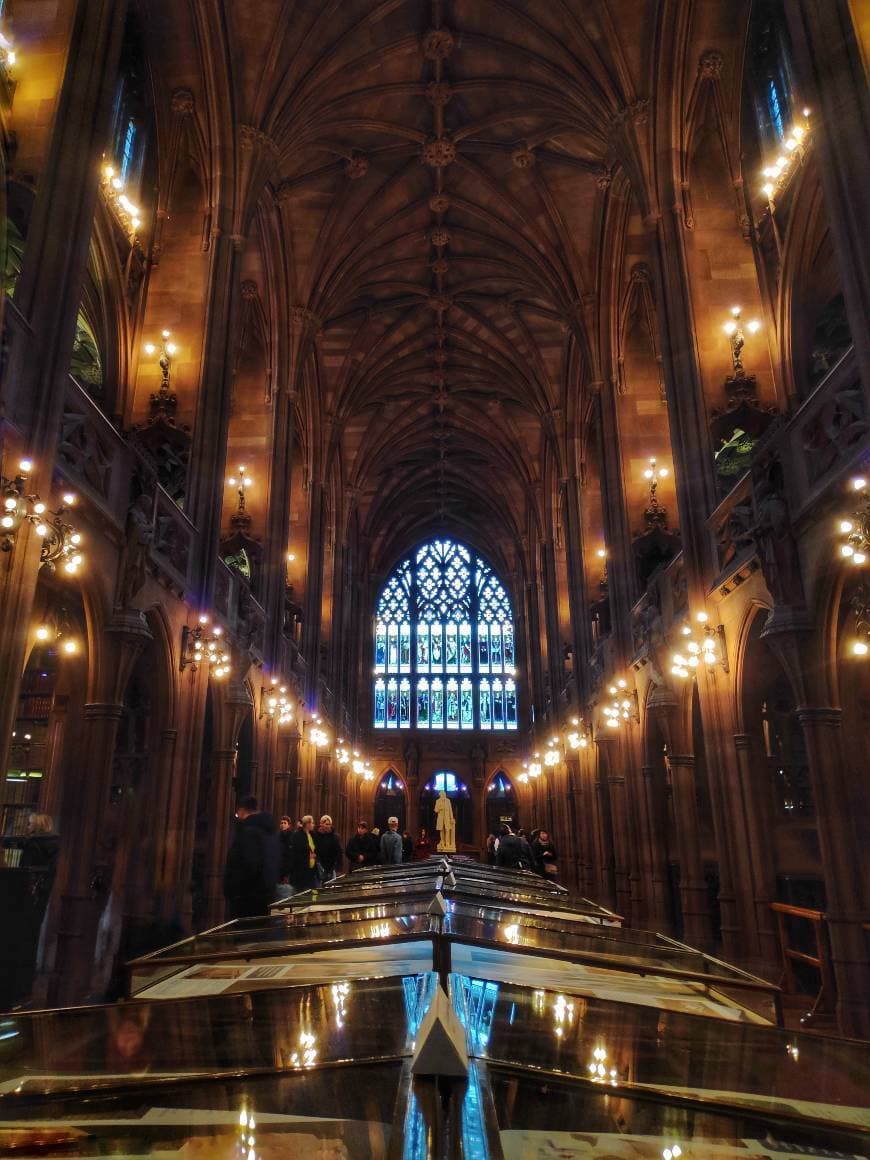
[[710, 65], [181, 102]]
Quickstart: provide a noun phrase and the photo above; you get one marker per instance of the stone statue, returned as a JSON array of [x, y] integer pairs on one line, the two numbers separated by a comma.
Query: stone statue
[[445, 824], [478, 764], [140, 533], [774, 538], [412, 760]]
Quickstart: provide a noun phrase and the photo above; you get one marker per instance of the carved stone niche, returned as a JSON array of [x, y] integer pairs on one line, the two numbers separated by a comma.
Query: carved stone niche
[[165, 443], [736, 428], [652, 550], [243, 554]]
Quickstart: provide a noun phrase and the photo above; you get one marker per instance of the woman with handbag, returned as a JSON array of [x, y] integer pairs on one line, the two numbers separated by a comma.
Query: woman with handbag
[[544, 854]]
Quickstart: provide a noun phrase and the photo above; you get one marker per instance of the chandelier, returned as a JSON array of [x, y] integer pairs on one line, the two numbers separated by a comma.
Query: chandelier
[[60, 541]]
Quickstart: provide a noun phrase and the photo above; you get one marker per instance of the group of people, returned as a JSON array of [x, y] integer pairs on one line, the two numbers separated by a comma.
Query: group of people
[[519, 851], [266, 862]]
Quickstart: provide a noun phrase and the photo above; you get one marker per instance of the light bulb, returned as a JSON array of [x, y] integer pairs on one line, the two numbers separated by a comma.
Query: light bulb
[[68, 498], [798, 132], [846, 526], [702, 617], [108, 171], [291, 556], [166, 333], [149, 348], [754, 326], [7, 522], [859, 558], [860, 648], [171, 348], [135, 223], [847, 550], [41, 530], [42, 632], [117, 183], [39, 508], [70, 647], [25, 466], [11, 504], [858, 483], [730, 328], [768, 191]]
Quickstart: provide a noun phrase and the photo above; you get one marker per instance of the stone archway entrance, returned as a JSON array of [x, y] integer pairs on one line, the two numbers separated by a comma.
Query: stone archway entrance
[[390, 801], [501, 803]]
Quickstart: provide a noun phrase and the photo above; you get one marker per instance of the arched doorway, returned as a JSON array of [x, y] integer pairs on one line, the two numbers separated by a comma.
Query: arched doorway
[[460, 798], [501, 803], [390, 801]]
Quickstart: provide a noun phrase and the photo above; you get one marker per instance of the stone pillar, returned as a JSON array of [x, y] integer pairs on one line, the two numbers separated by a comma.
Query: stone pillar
[[756, 822], [278, 523], [842, 853], [693, 889], [655, 827], [209, 447], [577, 596], [606, 890], [833, 81], [47, 294], [220, 812], [621, 571]]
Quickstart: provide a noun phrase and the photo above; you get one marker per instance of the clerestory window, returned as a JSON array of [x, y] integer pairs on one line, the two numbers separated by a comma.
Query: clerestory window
[[444, 644]]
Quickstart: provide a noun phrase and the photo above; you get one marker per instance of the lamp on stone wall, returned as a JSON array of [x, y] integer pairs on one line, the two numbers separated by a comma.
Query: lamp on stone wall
[[204, 644], [855, 550], [127, 213], [61, 543], [622, 707], [7, 52], [737, 336], [275, 703], [708, 650]]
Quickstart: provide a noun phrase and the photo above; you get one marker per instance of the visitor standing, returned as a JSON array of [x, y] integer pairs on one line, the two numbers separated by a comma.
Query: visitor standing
[[513, 851], [391, 843], [303, 857], [544, 855], [422, 847], [362, 849], [285, 835], [327, 847], [253, 862], [407, 847]]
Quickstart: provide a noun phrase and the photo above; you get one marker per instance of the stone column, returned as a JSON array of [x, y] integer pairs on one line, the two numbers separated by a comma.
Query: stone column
[[577, 596], [621, 571], [47, 294], [278, 523], [756, 823], [842, 853], [655, 828], [833, 81], [209, 447], [693, 889], [606, 890]]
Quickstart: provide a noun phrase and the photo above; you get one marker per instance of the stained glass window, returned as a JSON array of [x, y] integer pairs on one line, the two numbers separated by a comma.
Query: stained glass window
[[444, 644]]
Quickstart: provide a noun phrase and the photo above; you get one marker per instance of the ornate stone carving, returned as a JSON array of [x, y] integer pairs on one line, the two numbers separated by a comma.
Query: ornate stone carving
[[139, 534], [356, 167], [251, 137], [182, 101], [439, 302], [523, 158], [250, 290], [439, 203], [438, 152], [438, 93], [438, 44], [439, 266], [439, 236], [773, 535], [710, 65], [835, 429]]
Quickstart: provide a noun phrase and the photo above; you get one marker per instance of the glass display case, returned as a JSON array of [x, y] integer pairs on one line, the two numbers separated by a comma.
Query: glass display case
[[301, 1032]]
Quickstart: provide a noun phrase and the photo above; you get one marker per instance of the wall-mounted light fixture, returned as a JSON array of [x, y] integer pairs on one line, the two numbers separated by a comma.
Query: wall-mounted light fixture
[[707, 650], [622, 707], [854, 533], [127, 213], [61, 543], [737, 336], [241, 481], [7, 52], [275, 703], [655, 515], [204, 644], [777, 173]]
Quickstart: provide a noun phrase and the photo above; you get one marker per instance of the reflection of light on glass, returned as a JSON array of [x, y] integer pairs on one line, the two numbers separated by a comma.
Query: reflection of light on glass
[[539, 1000], [599, 1069], [672, 1153], [340, 992], [511, 933], [247, 1139], [792, 1049], [563, 1015], [415, 991], [380, 930], [477, 1011], [306, 1056]]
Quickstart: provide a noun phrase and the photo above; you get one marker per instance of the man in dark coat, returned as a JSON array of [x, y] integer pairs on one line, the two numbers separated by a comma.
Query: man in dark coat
[[328, 849], [362, 849], [303, 856], [253, 862], [513, 851]]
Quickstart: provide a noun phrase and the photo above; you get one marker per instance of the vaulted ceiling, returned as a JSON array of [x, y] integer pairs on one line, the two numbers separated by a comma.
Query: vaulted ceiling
[[440, 178]]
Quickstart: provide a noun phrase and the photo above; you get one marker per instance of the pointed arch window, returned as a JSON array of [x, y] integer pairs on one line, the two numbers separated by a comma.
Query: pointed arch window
[[444, 644]]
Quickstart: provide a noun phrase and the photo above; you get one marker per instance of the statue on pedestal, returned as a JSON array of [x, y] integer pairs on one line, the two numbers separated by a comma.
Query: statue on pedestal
[[445, 824]]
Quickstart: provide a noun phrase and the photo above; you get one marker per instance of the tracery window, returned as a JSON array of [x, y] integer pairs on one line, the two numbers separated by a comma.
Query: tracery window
[[444, 644]]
